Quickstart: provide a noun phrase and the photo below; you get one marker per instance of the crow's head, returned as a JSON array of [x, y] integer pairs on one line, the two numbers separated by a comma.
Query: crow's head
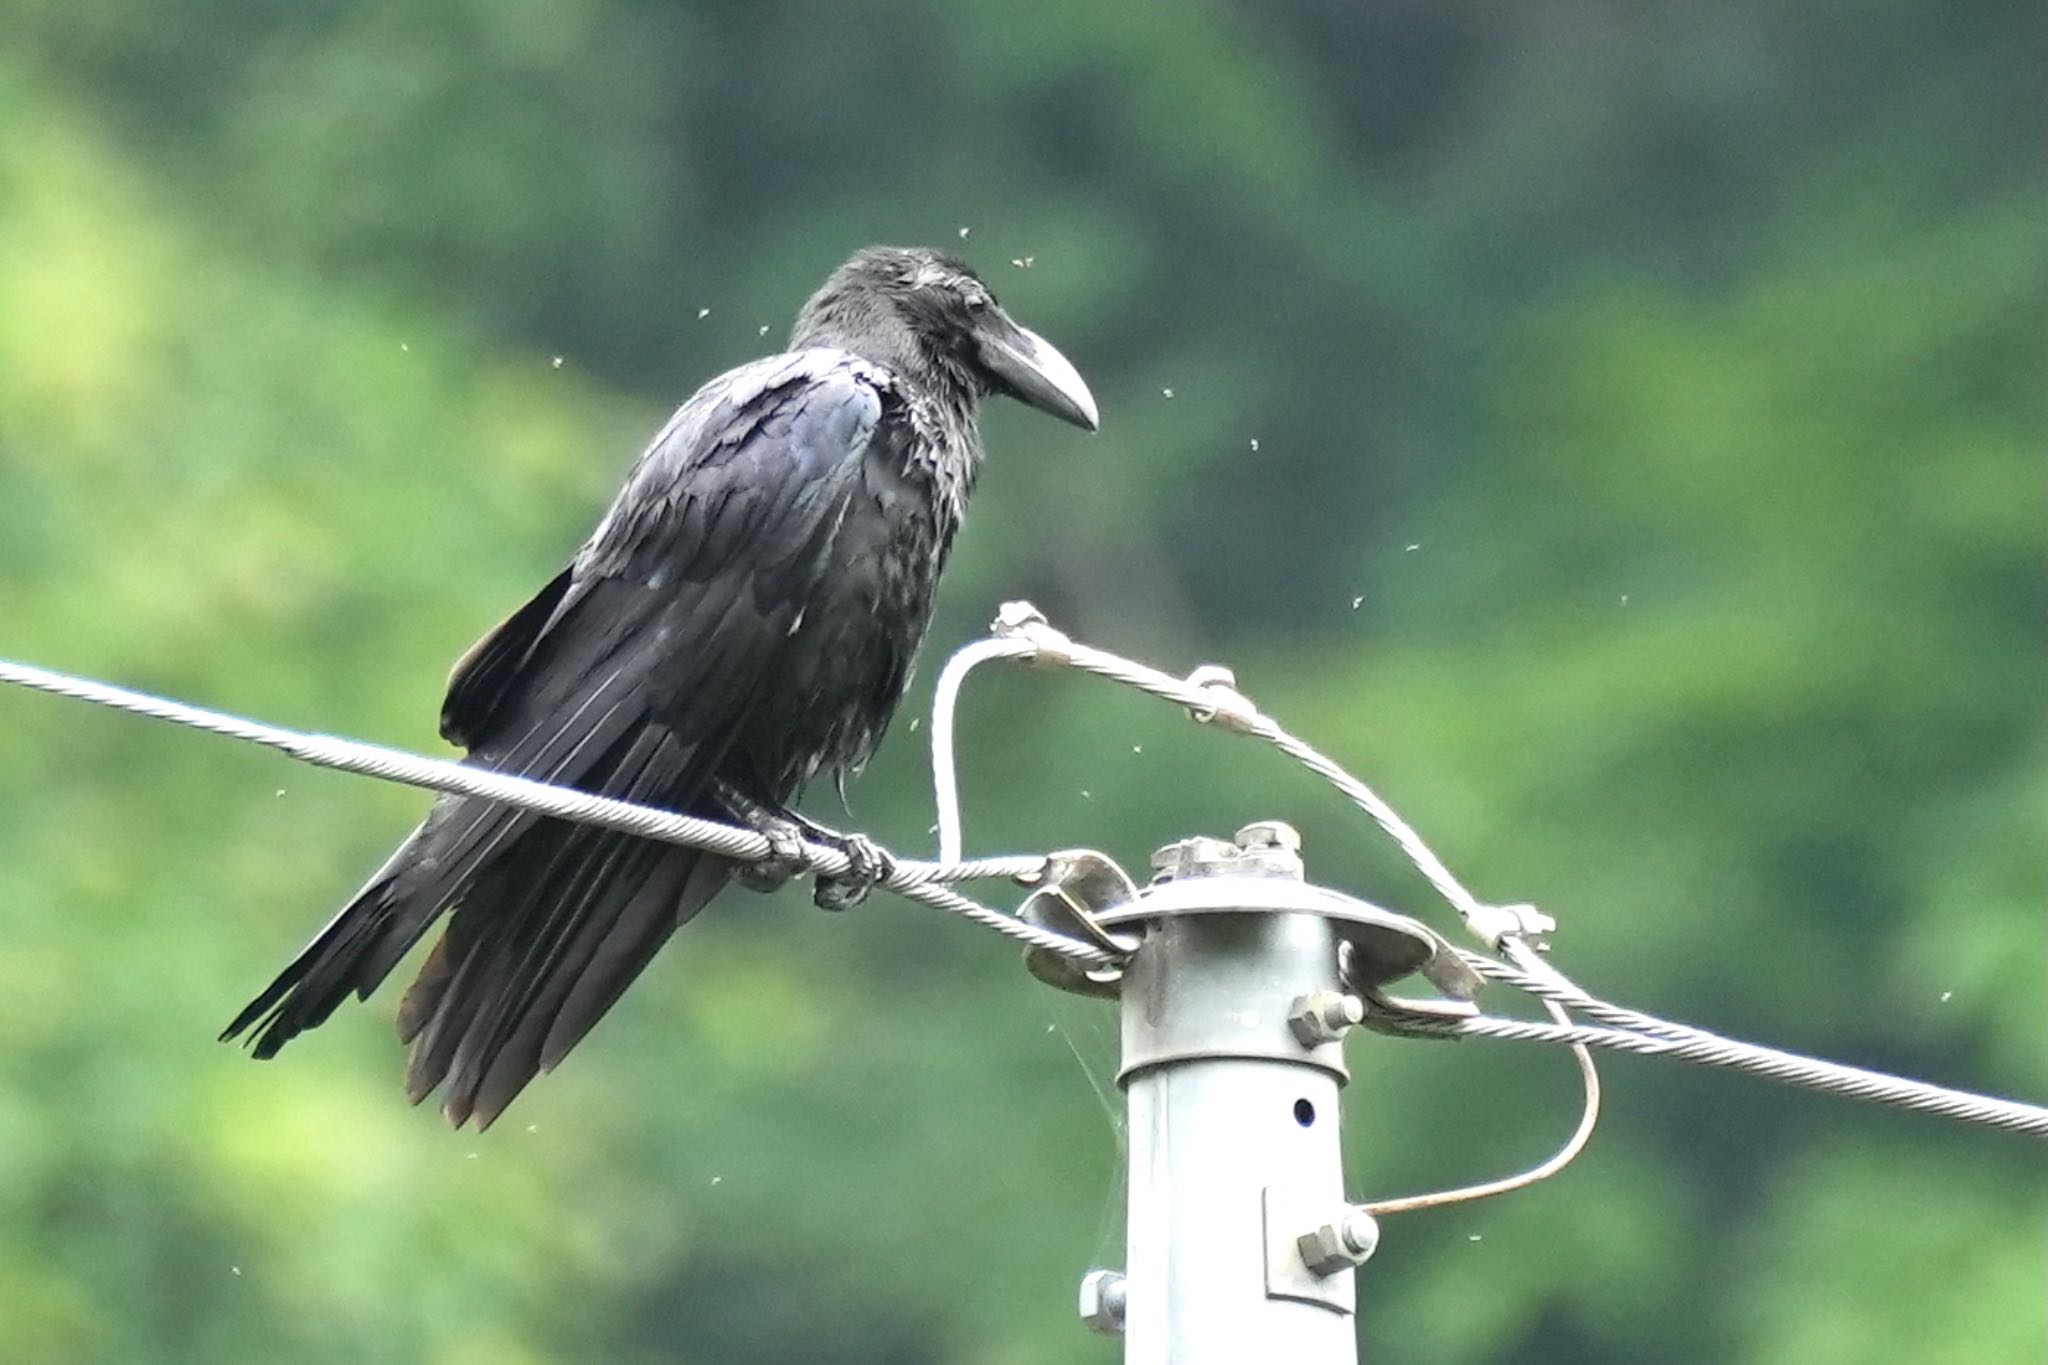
[[928, 316]]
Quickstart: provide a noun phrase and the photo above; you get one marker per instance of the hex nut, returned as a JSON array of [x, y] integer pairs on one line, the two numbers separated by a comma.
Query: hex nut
[[1324, 1017], [1102, 1301], [1323, 1251], [1342, 1245]]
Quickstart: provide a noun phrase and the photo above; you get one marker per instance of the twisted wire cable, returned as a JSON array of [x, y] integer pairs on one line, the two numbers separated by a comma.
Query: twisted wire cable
[[1212, 699], [1629, 1030], [911, 879]]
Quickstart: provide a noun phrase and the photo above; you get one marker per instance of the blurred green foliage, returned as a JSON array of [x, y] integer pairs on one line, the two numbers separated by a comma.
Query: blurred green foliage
[[1615, 431]]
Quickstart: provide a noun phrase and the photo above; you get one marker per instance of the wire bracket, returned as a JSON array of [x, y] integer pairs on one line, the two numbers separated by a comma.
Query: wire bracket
[[1019, 620], [1222, 704], [1076, 886], [1495, 924]]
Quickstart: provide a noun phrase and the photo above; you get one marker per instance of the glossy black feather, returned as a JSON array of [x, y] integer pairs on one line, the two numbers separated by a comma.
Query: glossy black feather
[[744, 618]]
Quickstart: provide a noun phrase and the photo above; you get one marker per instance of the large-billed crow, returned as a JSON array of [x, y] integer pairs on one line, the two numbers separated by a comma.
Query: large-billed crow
[[742, 620]]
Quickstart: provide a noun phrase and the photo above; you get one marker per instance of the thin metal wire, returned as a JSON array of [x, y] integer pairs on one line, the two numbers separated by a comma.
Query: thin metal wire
[[945, 706], [911, 879], [1025, 634], [1211, 696], [1651, 1036], [1895, 1091], [1589, 1118]]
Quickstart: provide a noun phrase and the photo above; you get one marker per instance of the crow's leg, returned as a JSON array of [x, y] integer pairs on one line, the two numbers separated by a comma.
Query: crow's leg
[[868, 863]]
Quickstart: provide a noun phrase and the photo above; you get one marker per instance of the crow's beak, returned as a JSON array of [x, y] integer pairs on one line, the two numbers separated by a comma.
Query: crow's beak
[[1029, 369]]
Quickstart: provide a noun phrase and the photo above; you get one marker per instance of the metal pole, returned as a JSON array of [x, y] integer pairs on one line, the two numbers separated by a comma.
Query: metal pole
[[1234, 1006]]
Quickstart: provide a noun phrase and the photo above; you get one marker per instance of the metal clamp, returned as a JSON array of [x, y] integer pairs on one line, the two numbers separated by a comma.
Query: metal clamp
[[1074, 888], [1224, 704], [1020, 620], [1493, 923]]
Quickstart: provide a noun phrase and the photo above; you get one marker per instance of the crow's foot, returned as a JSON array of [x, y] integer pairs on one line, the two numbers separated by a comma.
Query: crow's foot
[[785, 858], [868, 867], [786, 833]]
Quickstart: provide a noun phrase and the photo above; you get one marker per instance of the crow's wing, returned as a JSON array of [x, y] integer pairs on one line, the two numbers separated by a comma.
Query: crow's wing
[[628, 675], [714, 545]]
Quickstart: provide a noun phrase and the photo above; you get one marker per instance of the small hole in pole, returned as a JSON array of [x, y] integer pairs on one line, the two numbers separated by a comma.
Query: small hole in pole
[[1304, 1113]]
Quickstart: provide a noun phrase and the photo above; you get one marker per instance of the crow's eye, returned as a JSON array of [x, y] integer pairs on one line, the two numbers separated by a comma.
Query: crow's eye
[[978, 302]]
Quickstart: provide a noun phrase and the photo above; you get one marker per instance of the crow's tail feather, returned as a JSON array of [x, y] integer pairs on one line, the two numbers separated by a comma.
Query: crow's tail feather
[[551, 922], [359, 946]]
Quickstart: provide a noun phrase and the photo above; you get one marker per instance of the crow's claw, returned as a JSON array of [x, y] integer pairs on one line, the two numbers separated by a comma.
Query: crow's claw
[[869, 866], [785, 855]]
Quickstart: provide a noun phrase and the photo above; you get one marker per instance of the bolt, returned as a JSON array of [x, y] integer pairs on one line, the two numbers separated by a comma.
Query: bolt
[[1102, 1302], [1270, 848], [1323, 1016], [1269, 834], [1342, 1245], [1197, 857]]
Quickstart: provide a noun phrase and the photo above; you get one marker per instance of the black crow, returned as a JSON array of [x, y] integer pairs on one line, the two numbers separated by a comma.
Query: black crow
[[742, 621]]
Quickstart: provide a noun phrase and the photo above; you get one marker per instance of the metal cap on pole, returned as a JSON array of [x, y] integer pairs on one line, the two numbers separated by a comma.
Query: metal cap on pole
[[1240, 987]]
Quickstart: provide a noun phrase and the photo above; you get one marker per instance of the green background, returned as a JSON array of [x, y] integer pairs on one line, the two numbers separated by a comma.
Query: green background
[[1613, 430]]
